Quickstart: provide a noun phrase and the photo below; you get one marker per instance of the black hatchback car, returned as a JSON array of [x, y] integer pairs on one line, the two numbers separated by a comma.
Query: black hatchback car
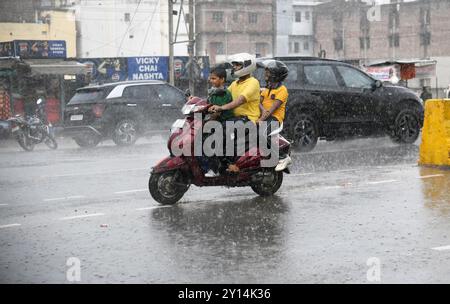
[[330, 99], [122, 111]]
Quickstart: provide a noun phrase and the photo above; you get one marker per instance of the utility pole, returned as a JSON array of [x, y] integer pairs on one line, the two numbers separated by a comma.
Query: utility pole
[[171, 70], [191, 44]]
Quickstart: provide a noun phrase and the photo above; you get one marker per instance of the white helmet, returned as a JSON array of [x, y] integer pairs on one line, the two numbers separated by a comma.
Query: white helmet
[[247, 61]]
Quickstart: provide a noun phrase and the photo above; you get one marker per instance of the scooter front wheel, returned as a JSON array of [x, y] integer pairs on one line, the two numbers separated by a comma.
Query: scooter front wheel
[[269, 184], [167, 188]]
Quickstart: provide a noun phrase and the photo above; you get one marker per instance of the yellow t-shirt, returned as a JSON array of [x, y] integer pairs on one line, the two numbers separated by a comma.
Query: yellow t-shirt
[[249, 88], [269, 97]]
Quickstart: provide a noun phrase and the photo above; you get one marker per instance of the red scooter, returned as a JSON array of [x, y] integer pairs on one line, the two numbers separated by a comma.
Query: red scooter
[[171, 177]]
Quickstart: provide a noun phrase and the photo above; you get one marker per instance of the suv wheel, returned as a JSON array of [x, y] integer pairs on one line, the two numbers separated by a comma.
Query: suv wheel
[[87, 140], [305, 132], [406, 127], [125, 133]]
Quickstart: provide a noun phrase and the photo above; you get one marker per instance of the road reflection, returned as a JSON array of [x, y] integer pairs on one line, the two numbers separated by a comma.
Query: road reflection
[[436, 189], [363, 156], [224, 236]]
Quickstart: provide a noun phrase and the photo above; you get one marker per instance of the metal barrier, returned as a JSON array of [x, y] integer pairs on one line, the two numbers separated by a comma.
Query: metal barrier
[[435, 146]]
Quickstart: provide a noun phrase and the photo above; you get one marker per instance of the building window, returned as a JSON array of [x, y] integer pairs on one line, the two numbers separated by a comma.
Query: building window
[[296, 47], [298, 16], [364, 43], [394, 19], [235, 16], [306, 46], [252, 18], [127, 17], [338, 43], [394, 40], [307, 16], [338, 25], [425, 38], [217, 48], [217, 17], [261, 49], [425, 16]]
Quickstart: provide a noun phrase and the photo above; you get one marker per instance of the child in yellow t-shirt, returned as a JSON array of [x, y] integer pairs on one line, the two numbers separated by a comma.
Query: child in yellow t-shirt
[[274, 96], [273, 101]]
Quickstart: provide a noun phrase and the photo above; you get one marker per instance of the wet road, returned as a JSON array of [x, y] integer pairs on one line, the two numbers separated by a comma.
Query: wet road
[[348, 207]]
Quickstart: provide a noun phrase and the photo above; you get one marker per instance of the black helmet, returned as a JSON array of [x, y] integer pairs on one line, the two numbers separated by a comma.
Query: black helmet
[[278, 70]]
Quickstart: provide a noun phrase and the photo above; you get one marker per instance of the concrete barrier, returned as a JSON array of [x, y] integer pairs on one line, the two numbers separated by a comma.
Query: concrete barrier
[[435, 146]]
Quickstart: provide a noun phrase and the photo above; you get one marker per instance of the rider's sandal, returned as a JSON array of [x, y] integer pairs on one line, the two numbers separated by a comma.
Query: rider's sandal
[[233, 168]]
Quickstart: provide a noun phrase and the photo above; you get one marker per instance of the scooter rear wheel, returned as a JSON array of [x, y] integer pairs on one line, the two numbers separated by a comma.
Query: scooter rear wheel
[[167, 188], [270, 186]]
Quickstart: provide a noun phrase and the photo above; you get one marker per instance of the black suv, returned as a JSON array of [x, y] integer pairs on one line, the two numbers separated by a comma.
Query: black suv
[[122, 111], [330, 99]]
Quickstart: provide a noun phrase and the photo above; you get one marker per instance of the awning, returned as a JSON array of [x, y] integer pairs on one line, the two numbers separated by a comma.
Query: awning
[[417, 62], [409, 68], [57, 67]]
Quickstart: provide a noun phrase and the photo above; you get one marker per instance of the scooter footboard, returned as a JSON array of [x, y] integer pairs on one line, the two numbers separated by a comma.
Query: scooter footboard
[[169, 163]]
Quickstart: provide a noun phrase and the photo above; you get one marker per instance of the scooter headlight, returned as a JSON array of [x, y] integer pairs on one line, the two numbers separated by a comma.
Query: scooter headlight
[[189, 109]]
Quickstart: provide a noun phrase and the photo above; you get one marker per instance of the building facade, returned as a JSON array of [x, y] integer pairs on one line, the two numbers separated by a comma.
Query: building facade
[[225, 27], [397, 30], [125, 28], [101, 28], [295, 34], [34, 20]]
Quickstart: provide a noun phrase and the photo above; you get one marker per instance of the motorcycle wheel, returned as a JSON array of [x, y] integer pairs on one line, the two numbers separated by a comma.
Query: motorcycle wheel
[[167, 188], [51, 142], [269, 186], [25, 142]]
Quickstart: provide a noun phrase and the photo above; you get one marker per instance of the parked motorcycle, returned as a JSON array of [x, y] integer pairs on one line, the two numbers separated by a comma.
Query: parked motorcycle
[[31, 131], [171, 177]]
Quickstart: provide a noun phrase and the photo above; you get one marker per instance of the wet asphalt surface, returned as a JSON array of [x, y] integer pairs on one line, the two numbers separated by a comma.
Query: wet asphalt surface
[[344, 203]]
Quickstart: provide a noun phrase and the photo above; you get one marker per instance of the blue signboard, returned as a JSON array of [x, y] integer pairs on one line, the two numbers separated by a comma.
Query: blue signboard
[[6, 49], [143, 68], [107, 69], [148, 68], [40, 49]]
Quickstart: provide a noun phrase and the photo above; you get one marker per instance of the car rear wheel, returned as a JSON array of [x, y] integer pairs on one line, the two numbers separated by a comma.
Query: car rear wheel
[[125, 133], [87, 140], [305, 132], [406, 127]]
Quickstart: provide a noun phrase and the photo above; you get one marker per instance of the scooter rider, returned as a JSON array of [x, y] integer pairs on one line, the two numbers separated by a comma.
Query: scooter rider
[[273, 100], [245, 92]]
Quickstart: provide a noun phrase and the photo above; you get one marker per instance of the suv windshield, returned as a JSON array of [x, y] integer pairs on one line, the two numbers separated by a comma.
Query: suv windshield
[[88, 96]]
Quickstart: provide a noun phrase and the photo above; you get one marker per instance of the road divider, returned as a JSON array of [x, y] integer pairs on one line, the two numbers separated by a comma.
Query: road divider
[[9, 226], [442, 248], [382, 182], [130, 191], [80, 216], [151, 208], [431, 176], [435, 146], [63, 198]]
